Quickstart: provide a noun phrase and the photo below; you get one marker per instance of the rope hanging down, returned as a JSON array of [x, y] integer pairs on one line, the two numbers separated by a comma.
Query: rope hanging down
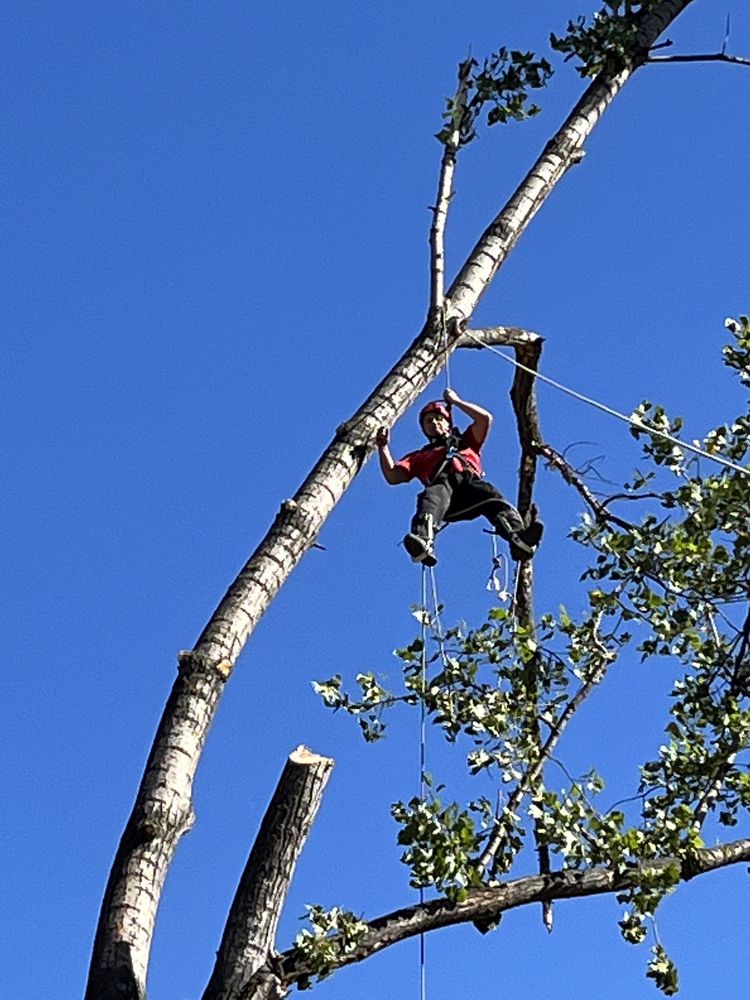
[[446, 348], [423, 762], [610, 411], [431, 618]]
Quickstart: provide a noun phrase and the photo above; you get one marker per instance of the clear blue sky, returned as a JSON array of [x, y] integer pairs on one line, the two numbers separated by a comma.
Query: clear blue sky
[[214, 245]]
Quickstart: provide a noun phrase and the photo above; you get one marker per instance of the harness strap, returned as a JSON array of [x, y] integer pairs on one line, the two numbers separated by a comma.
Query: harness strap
[[451, 452]]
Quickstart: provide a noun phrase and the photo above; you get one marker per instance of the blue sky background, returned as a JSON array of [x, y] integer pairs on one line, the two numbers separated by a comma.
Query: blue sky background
[[214, 246]]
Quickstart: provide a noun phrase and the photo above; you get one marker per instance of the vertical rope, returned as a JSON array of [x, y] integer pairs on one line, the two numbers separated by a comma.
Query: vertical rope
[[445, 349], [437, 629], [437, 626], [423, 763]]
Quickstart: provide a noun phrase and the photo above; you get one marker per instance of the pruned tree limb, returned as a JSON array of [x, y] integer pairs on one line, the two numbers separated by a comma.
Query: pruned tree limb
[[496, 336], [250, 932], [162, 811], [483, 904]]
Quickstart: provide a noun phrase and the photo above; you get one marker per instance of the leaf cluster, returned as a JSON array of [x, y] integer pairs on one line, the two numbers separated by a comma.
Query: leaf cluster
[[331, 934], [608, 41], [441, 843], [501, 85]]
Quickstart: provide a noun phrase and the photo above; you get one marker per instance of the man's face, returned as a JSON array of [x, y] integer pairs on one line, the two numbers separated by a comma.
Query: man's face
[[435, 425]]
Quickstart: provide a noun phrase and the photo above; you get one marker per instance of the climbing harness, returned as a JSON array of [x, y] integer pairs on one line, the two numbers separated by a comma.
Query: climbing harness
[[451, 452], [631, 421]]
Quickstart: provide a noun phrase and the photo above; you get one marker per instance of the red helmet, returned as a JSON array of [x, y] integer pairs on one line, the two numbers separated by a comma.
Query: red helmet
[[436, 406]]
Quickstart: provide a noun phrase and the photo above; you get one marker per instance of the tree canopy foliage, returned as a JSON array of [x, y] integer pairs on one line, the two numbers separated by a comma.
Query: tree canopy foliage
[[668, 578]]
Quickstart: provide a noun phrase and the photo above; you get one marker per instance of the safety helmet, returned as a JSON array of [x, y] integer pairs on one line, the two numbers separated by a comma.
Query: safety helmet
[[437, 406]]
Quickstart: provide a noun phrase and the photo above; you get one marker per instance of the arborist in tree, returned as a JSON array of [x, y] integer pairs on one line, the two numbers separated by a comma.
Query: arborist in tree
[[450, 468]]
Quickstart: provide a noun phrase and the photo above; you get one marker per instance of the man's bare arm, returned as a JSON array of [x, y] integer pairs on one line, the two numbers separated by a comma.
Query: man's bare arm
[[481, 419], [391, 472]]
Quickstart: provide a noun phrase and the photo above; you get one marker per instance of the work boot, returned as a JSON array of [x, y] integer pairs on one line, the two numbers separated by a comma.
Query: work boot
[[419, 543], [524, 543]]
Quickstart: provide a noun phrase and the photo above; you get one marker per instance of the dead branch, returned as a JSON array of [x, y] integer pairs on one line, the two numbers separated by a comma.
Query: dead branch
[[497, 336], [556, 461], [523, 398]]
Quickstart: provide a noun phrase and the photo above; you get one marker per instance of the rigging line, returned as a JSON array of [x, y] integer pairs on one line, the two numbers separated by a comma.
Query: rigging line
[[423, 763], [612, 412], [423, 681], [446, 352], [437, 625], [499, 562]]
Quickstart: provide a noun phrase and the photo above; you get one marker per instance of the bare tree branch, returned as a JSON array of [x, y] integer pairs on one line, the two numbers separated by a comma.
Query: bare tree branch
[[523, 398], [571, 477], [496, 336], [710, 57], [483, 904], [250, 931]]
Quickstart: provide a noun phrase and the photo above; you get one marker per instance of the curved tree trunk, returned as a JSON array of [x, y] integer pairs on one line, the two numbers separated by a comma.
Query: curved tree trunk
[[163, 811]]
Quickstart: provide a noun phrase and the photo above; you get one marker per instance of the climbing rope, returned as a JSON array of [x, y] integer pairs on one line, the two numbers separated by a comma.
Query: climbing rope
[[427, 618], [423, 760], [499, 564], [631, 421], [446, 348]]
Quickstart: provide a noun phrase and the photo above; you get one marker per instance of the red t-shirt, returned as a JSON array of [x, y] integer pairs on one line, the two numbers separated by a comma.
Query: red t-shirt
[[426, 462]]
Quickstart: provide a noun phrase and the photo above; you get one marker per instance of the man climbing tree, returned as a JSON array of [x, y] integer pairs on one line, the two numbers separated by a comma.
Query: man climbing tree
[[450, 468]]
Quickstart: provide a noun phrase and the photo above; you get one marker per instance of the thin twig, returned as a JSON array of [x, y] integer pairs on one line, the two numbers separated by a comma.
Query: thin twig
[[555, 459], [709, 57]]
